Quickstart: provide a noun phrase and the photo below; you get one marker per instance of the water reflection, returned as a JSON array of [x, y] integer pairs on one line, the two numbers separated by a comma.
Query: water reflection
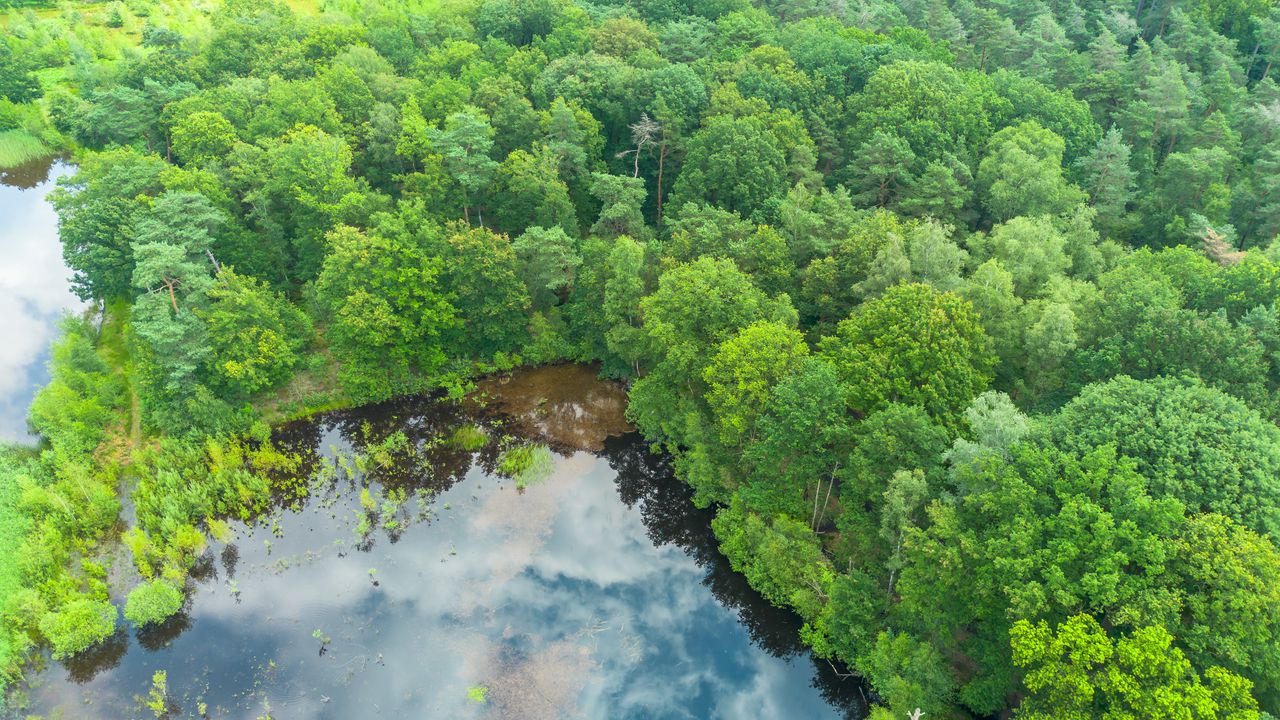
[[595, 593], [34, 288]]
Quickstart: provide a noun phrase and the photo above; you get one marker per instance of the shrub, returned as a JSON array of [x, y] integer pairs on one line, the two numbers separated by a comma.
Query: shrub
[[80, 625], [152, 602]]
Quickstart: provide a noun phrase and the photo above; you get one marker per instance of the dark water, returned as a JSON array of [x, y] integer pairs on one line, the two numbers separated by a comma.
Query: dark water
[[34, 290], [596, 592]]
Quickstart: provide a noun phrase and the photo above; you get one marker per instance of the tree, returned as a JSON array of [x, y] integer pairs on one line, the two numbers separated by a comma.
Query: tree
[[1136, 326], [1191, 442], [481, 275], [17, 84], [623, 291], [79, 625], [934, 108], [1231, 577], [1077, 672], [1108, 179], [696, 307], [256, 337], [621, 199], [152, 602], [96, 210], [742, 373], [914, 345], [528, 192], [995, 424], [1033, 251], [203, 137], [547, 259], [307, 188], [802, 434], [909, 674], [464, 144], [897, 437], [1021, 174], [389, 315], [880, 169], [734, 163]]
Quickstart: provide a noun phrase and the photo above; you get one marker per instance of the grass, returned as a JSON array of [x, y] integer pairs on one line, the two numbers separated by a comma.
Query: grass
[[20, 146], [526, 464], [470, 437]]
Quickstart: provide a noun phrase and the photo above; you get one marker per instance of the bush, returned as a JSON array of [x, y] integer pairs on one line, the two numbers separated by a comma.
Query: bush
[[80, 625], [152, 602]]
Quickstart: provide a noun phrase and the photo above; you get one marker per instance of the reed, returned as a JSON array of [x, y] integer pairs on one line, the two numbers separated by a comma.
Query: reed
[[20, 146]]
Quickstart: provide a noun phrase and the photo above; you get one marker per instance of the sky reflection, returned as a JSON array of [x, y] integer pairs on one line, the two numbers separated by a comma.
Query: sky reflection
[[34, 293]]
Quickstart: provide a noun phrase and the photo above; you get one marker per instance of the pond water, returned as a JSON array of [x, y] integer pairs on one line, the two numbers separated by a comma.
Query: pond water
[[596, 591], [34, 288]]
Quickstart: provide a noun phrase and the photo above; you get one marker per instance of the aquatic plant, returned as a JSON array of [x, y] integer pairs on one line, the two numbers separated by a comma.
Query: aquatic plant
[[158, 699], [478, 694], [526, 464], [470, 437], [78, 626]]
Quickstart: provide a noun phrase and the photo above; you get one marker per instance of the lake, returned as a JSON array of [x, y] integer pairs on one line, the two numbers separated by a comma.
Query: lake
[[34, 288], [416, 580]]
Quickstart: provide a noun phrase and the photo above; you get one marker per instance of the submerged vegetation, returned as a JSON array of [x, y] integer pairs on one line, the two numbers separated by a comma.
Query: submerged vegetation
[[962, 316]]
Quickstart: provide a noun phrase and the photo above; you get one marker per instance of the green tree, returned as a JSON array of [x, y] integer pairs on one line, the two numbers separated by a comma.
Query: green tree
[[623, 291], [79, 625], [1021, 174], [621, 199], [802, 434], [464, 144], [96, 210], [879, 169], [742, 373], [482, 276], [256, 337], [387, 312], [1078, 672], [914, 345], [203, 137], [737, 164], [548, 259], [528, 192], [1191, 442], [1105, 174]]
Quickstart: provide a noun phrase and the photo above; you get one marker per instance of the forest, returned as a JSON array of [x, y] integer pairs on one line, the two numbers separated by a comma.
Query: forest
[[961, 313]]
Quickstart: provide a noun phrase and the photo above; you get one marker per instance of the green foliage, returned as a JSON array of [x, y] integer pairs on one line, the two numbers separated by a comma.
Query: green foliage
[[1079, 672], [526, 464], [1021, 174], [19, 146], [1190, 442], [913, 345], [387, 311], [151, 602], [926, 196], [256, 336], [78, 626], [743, 371]]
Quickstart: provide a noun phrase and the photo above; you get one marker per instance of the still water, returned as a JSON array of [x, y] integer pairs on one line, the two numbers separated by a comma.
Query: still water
[[595, 592], [34, 288]]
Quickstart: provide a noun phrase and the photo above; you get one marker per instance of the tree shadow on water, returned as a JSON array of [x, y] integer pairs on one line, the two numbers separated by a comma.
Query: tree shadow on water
[[85, 666]]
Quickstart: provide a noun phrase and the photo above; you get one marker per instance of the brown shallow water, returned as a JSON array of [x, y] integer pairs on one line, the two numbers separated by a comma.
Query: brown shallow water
[[596, 592], [567, 405]]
